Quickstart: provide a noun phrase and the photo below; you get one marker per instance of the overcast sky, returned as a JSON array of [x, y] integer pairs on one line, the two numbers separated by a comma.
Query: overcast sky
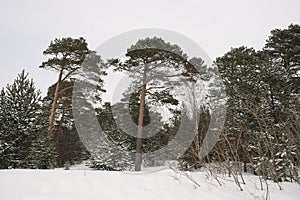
[[28, 26]]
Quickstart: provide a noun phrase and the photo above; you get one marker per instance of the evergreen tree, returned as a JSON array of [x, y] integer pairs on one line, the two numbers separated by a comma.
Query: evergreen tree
[[283, 45], [68, 145], [259, 113], [114, 152], [4, 134], [72, 59], [152, 63], [22, 133], [67, 55], [283, 48]]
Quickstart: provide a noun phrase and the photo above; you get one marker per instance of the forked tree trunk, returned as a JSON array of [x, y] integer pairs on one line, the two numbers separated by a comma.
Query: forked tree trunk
[[54, 104]]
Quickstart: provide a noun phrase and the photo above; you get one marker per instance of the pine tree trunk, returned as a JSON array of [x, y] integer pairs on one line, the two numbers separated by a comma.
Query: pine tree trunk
[[138, 154], [54, 104], [195, 116], [245, 166]]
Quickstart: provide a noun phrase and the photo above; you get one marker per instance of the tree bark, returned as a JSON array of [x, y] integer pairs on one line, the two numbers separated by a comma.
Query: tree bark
[[195, 116], [54, 104], [138, 154], [140, 131]]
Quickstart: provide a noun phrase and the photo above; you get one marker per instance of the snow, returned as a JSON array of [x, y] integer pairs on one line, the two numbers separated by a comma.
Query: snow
[[160, 183]]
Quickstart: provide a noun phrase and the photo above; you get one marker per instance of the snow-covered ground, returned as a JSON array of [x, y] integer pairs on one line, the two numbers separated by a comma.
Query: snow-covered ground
[[81, 184]]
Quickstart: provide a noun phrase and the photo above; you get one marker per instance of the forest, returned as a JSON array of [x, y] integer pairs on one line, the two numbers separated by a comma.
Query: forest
[[171, 110]]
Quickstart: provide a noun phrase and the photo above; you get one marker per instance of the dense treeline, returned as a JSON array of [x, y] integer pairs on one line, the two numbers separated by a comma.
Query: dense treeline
[[261, 133]]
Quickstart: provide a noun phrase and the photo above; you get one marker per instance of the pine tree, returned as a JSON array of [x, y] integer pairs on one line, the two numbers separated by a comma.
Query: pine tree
[[4, 134], [283, 48], [260, 117], [67, 55], [151, 62], [283, 45], [23, 135], [114, 152], [67, 143]]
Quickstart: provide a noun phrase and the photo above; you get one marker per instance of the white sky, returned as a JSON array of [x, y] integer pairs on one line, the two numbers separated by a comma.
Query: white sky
[[27, 27]]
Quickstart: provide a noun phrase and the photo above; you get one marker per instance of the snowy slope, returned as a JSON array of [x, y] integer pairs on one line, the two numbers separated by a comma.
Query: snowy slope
[[163, 184]]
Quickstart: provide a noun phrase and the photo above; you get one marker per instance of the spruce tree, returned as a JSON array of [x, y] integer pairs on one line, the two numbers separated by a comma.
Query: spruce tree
[[22, 133]]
